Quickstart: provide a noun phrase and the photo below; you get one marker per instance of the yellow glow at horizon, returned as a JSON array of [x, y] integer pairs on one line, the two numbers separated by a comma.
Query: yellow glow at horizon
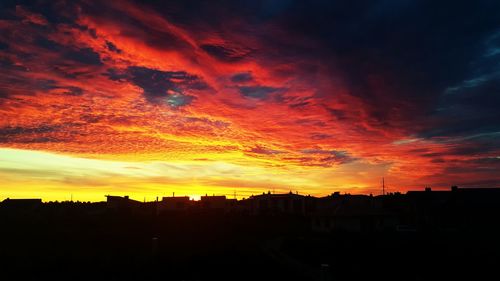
[[52, 176]]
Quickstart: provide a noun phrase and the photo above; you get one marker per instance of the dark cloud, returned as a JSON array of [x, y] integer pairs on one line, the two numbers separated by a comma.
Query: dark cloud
[[242, 77], [92, 33], [45, 84], [486, 161], [17, 130], [3, 94], [322, 158], [156, 84], [177, 100], [112, 47], [3, 46], [398, 58], [153, 35], [8, 64], [41, 133], [293, 102], [226, 53], [338, 114], [55, 12], [467, 110], [257, 92], [90, 118], [48, 44], [480, 145], [21, 85], [84, 56], [477, 170], [321, 151], [165, 86], [332, 156], [320, 136], [116, 75], [263, 150], [74, 91], [476, 148], [27, 140], [34, 134], [206, 121]]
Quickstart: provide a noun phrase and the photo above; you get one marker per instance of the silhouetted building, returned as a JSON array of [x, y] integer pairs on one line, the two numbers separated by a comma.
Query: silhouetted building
[[22, 204], [288, 203], [121, 204], [179, 203], [353, 213], [455, 208], [217, 203]]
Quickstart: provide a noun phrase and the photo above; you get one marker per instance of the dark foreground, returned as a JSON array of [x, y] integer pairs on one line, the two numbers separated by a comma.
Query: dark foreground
[[79, 242]]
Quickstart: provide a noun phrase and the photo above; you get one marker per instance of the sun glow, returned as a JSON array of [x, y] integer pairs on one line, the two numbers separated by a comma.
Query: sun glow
[[54, 177]]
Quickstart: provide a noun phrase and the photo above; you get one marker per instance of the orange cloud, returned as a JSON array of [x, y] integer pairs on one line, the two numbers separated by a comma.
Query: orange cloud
[[124, 82]]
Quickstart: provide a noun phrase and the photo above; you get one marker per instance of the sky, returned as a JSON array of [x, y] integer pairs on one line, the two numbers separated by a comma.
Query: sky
[[148, 98]]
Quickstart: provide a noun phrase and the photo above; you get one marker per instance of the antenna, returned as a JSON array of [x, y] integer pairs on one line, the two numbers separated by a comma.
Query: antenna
[[383, 186]]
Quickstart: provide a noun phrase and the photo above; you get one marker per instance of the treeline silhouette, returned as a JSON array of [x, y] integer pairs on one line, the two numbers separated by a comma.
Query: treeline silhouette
[[420, 235]]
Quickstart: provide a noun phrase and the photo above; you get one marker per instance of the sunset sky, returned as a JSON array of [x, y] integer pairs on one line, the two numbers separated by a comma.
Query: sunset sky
[[225, 97]]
